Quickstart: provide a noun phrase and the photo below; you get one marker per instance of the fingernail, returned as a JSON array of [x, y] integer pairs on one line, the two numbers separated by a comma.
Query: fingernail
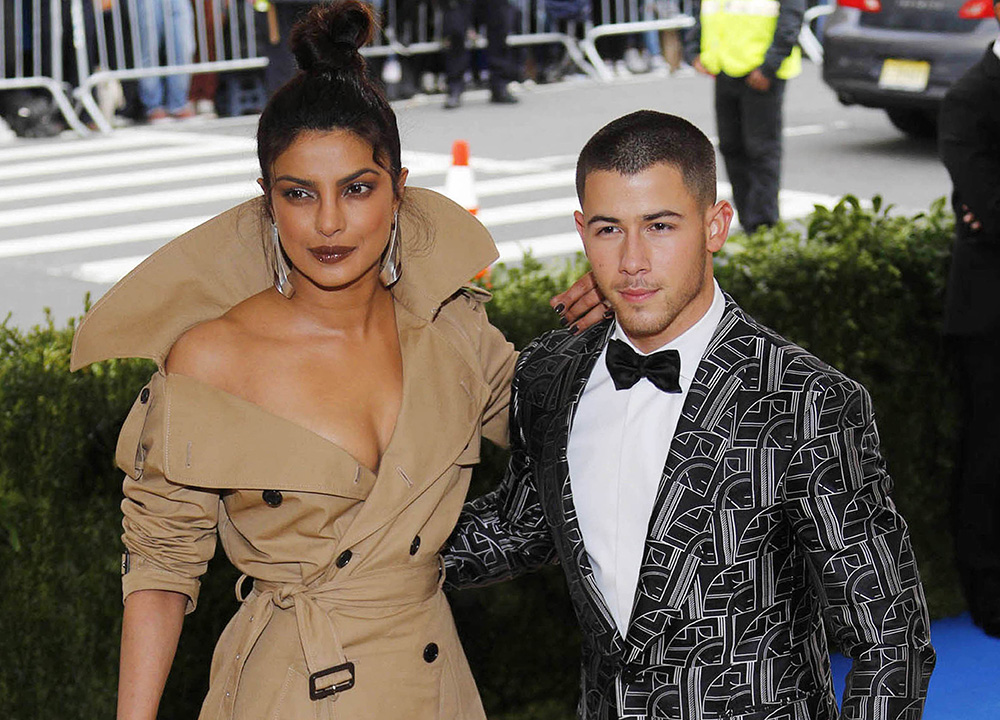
[[563, 322], [574, 329], [559, 308]]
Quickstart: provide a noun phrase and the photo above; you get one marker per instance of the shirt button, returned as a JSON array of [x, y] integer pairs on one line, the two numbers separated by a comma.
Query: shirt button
[[431, 652], [415, 545], [144, 396], [344, 558], [272, 497]]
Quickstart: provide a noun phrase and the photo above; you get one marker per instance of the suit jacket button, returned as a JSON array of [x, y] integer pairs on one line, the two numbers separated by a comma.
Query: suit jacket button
[[144, 396], [415, 545], [344, 558], [272, 497], [431, 652]]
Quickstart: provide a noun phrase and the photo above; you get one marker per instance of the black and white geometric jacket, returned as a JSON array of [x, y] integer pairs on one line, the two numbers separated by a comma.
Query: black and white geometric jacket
[[773, 524]]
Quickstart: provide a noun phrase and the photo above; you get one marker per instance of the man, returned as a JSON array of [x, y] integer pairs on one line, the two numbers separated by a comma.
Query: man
[[749, 47], [715, 494], [459, 17], [970, 149]]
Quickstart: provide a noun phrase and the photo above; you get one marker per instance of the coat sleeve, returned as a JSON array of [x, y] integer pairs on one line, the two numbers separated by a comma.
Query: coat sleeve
[[504, 533], [786, 35], [837, 498], [967, 145], [498, 358], [169, 529], [692, 36]]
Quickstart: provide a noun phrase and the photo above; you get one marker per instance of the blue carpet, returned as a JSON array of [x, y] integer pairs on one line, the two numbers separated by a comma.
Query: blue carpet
[[966, 682]]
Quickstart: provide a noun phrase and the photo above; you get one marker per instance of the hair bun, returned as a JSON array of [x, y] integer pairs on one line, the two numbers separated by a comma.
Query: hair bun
[[328, 39]]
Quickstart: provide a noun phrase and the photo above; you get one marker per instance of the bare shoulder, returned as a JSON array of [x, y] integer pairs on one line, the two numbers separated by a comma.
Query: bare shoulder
[[205, 352], [214, 351]]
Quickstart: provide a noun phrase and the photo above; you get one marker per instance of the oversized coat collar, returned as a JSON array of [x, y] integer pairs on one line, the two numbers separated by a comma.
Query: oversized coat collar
[[205, 272]]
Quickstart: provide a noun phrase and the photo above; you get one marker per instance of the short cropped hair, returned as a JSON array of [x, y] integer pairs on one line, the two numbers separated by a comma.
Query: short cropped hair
[[635, 142]]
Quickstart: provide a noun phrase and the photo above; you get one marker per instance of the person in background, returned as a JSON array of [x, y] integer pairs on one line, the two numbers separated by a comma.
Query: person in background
[[749, 48], [969, 143], [459, 17], [166, 29], [204, 86]]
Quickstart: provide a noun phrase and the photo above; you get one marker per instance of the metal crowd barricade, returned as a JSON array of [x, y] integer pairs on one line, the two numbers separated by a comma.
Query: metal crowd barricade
[[810, 45], [122, 51], [625, 17], [31, 54], [424, 33]]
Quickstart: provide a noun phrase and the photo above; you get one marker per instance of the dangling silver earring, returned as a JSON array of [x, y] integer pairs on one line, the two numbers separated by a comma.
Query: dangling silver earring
[[280, 268], [391, 268]]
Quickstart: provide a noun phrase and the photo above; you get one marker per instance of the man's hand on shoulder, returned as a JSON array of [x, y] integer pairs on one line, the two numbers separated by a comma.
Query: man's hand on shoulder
[[582, 305]]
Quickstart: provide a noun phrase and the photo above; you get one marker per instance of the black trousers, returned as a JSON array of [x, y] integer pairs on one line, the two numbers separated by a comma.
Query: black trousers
[[976, 500], [750, 126], [459, 16]]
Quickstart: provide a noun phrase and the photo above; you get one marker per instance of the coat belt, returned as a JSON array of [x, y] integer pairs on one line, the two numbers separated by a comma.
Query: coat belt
[[316, 607]]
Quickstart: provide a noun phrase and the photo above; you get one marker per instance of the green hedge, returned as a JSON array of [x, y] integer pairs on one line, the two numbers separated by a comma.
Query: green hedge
[[861, 289]]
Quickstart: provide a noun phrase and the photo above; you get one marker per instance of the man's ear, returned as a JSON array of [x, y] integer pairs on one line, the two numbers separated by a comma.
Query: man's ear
[[718, 218], [581, 226]]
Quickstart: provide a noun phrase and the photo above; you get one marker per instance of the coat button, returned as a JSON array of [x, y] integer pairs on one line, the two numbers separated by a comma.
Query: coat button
[[415, 545], [431, 652], [344, 558], [144, 396], [272, 497]]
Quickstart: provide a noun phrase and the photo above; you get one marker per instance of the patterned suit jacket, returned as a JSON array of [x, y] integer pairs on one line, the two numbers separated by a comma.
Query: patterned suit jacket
[[772, 524]]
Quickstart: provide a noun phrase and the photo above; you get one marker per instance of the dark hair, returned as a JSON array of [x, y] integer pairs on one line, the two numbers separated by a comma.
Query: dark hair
[[639, 140], [332, 89]]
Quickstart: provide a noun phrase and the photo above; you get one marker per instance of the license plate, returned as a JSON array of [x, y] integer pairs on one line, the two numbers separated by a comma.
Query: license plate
[[907, 75]]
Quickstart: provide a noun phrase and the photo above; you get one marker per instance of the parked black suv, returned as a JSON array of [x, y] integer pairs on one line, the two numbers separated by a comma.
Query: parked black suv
[[903, 55]]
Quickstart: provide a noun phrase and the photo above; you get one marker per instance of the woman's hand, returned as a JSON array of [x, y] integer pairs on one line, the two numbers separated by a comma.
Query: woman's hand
[[582, 305]]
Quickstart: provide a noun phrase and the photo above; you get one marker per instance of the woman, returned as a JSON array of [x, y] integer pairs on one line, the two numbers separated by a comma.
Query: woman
[[324, 427]]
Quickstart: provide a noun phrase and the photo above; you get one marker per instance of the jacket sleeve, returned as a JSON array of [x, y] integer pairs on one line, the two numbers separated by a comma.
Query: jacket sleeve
[[504, 533], [786, 35], [837, 498], [967, 144], [169, 529]]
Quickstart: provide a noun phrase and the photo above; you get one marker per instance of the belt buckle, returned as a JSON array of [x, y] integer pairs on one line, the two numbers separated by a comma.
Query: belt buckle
[[317, 693]]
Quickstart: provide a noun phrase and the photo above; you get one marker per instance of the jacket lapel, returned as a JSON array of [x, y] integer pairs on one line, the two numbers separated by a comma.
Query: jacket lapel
[[680, 534], [557, 388]]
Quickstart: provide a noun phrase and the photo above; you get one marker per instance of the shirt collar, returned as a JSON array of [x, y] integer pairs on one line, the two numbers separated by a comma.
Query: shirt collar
[[996, 47], [692, 343]]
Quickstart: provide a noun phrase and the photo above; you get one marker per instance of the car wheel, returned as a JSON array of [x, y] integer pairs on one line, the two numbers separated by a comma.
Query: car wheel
[[915, 123]]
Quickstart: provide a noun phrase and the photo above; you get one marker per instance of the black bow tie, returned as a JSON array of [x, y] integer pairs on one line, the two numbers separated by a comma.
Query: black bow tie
[[627, 366]]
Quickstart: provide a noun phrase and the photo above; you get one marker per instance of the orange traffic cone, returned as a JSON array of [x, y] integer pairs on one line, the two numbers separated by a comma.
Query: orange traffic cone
[[459, 183]]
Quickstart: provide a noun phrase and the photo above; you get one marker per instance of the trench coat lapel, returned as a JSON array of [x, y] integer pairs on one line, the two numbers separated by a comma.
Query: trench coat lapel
[[680, 527], [437, 423]]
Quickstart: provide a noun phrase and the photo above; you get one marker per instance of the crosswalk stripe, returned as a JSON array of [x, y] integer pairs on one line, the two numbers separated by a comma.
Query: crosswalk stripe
[[142, 178], [90, 146], [123, 159], [523, 183], [525, 212], [133, 203], [161, 230]]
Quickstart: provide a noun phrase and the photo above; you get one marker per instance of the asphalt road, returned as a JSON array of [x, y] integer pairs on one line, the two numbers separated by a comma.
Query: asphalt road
[[75, 215]]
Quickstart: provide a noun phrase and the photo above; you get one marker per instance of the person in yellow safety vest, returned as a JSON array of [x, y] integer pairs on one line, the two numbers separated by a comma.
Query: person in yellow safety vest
[[749, 47]]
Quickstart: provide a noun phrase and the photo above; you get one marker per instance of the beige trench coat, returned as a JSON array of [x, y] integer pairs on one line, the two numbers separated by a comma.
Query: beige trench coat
[[345, 562]]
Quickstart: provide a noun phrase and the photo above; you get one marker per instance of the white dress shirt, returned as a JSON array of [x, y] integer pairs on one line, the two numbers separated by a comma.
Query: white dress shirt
[[618, 446], [996, 47]]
